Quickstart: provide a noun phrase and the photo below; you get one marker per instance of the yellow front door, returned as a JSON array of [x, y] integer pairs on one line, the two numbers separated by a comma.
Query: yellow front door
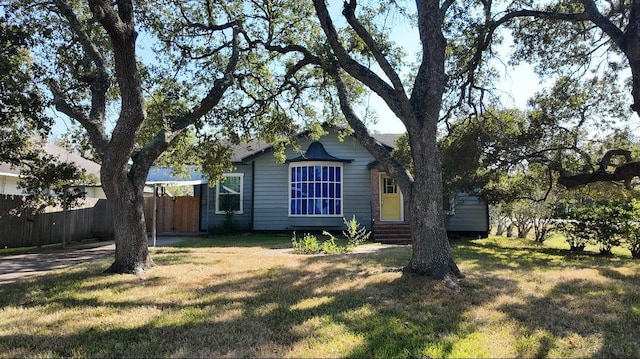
[[390, 200]]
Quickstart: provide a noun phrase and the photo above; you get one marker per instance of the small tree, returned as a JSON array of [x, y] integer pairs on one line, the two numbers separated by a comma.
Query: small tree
[[522, 218], [606, 220], [632, 230], [599, 222], [574, 231], [499, 219], [631, 226]]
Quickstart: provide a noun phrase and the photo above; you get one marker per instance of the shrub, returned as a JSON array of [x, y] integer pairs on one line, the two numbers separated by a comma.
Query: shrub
[[631, 228], [632, 232], [330, 247], [308, 244], [355, 233], [574, 232], [603, 222]]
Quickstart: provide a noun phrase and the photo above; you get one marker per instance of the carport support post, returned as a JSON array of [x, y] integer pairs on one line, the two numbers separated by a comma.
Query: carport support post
[[155, 214]]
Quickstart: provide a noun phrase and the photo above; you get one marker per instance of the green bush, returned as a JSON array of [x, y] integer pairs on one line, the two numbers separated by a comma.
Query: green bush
[[631, 228], [606, 223], [355, 233], [632, 231], [331, 247], [574, 231], [308, 244]]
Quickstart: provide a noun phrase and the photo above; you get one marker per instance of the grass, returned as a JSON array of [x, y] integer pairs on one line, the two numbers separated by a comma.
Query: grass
[[236, 296]]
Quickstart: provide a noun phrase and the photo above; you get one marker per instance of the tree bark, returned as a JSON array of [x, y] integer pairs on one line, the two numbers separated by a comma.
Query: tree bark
[[420, 113], [431, 255], [125, 197], [132, 252]]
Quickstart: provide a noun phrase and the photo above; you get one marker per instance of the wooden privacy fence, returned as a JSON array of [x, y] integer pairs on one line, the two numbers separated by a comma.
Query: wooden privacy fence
[[92, 219], [174, 214]]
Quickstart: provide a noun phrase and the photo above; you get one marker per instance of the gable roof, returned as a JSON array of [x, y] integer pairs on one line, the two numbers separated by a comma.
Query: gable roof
[[247, 151], [63, 155]]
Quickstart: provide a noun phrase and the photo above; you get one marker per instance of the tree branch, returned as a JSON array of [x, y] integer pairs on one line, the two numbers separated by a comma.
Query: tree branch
[[379, 151], [603, 23], [355, 69], [99, 85], [623, 173], [94, 127], [349, 14], [430, 79], [109, 18], [144, 158]]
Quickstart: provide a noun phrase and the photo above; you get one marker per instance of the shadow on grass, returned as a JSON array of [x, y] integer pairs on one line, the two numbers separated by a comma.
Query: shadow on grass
[[605, 309], [588, 309], [528, 257], [345, 303], [266, 241], [342, 303]]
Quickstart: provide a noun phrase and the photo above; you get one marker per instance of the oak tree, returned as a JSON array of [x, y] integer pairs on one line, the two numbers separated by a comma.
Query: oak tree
[[573, 39], [90, 52]]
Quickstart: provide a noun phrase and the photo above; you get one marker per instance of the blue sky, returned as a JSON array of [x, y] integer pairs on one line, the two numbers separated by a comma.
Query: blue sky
[[517, 85]]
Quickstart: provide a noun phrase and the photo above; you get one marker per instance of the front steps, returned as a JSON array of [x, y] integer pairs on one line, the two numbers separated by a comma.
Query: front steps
[[392, 233]]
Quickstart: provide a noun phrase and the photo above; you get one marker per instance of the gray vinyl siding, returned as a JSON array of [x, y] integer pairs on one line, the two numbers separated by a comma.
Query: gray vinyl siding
[[242, 220], [470, 214], [272, 187]]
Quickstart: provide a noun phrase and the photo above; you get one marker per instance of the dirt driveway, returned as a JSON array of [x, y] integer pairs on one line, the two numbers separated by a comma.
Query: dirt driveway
[[16, 267]]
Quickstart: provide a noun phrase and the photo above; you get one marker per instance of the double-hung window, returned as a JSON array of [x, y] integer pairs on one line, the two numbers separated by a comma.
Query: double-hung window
[[315, 189], [229, 194]]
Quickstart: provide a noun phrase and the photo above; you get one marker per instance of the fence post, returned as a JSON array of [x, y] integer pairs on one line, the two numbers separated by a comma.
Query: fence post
[[65, 212], [155, 214]]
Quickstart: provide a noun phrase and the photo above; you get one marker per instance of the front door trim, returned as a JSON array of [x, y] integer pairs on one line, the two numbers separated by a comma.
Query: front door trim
[[381, 192]]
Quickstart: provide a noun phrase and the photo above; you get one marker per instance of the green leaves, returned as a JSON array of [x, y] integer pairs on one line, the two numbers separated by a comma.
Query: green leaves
[[22, 103], [603, 222]]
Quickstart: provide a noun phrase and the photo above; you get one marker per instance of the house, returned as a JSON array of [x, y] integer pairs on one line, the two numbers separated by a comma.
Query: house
[[315, 190], [10, 176]]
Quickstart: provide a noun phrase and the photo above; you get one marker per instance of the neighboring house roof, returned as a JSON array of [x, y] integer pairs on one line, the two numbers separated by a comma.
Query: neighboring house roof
[[69, 157], [244, 151], [387, 139], [62, 155], [6, 170], [164, 176]]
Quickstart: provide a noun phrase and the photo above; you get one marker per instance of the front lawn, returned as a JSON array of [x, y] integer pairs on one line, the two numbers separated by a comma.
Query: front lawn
[[238, 297]]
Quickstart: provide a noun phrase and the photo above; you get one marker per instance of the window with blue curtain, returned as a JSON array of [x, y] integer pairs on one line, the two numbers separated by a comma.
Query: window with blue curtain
[[316, 190]]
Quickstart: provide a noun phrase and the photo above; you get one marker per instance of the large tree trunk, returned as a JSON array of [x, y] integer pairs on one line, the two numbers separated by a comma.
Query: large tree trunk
[[431, 254], [127, 207]]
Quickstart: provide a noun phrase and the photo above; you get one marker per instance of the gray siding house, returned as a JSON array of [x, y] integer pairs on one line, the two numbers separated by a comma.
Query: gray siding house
[[315, 190]]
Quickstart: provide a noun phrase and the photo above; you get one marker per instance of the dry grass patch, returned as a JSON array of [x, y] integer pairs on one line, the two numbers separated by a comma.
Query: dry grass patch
[[226, 298]]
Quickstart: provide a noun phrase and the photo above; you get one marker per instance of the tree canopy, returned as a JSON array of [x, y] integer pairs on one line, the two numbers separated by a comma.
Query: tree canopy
[[234, 69], [24, 125]]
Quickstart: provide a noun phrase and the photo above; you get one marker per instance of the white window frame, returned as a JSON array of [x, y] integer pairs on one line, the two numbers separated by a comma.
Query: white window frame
[[227, 175], [317, 163]]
